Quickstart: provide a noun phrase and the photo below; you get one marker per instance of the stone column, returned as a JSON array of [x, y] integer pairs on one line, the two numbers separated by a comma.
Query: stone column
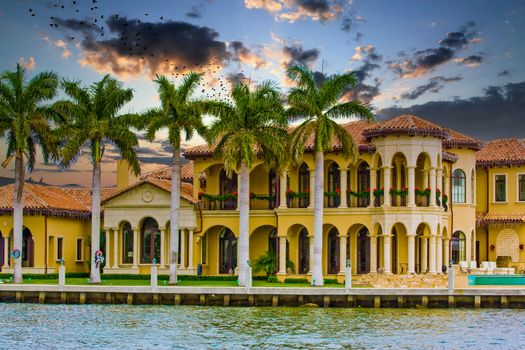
[[411, 186], [411, 254], [373, 253], [312, 189], [424, 259], [373, 181], [432, 254], [446, 251], [399, 185], [386, 253], [432, 187], [439, 253], [283, 186], [446, 190], [311, 254], [190, 249], [282, 255], [425, 178], [135, 248], [182, 248], [6, 253], [162, 248], [342, 253], [115, 248], [107, 259], [387, 184], [343, 197], [439, 182]]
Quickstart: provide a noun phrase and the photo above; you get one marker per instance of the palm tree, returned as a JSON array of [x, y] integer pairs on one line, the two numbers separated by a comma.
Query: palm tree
[[25, 123], [178, 113], [250, 128], [95, 124], [319, 105]]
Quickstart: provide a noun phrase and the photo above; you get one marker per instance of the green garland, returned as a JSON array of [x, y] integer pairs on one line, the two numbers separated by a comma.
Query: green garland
[[262, 197], [359, 194], [292, 194]]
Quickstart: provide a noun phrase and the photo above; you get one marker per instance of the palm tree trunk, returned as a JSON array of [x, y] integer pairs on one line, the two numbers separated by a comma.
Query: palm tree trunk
[[95, 220], [18, 216], [317, 273], [244, 217], [174, 215]]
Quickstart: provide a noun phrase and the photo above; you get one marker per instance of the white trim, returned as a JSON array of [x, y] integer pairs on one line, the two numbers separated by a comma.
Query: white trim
[[494, 189], [518, 188], [81, 249]]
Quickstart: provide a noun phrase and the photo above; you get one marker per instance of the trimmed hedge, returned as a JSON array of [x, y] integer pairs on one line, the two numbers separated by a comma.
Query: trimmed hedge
[[296, 280], [330, 281]]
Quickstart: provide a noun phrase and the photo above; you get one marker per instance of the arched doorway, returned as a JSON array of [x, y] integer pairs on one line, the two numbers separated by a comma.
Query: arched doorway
[[363, 251], [228, 186], [304, 252], [227, 251], [28, 249], [333, 251], [127, 243], [150, 241], [458, 247]]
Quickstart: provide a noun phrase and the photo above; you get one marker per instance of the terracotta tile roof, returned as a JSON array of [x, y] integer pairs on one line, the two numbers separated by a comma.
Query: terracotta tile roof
[[186, 189], [458, 139], [51, 200], [407, 124], [164, 173], [499, 218], [449, 156], [502, 152]]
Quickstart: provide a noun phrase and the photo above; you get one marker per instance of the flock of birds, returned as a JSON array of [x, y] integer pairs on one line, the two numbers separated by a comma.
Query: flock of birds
[[213, 86]]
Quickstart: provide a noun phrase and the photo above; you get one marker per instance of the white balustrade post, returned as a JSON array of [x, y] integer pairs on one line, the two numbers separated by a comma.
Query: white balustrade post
[[348, 274]]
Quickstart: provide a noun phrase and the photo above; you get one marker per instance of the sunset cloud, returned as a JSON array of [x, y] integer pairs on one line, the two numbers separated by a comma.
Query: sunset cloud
[[293, 10], [29, 64]]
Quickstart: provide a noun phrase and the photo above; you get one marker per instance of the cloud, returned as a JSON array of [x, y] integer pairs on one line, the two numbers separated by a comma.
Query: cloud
[[435, 84], [427, 60], [244, 55], [194, 12], [470, 61], [370, 59], [505, 73], [295, 53], [369, 51], [293, 10], [148, 47], [30, 64], [497, 113]]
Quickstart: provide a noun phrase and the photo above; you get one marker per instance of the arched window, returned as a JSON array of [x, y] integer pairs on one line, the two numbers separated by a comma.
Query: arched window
[[28, 248], [363, 184], [458, 186], [333, 251], [150, 239], [304, 185], [334, 184], [458, 244], [227, 186], [227, 251], [363, 251], [273, 188], [304, 252], [127, 243]]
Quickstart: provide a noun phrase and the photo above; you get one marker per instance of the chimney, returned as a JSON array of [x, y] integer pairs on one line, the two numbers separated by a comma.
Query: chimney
[[125, 176]]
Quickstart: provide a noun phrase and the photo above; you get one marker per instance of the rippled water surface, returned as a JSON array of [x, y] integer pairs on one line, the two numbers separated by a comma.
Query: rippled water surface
[[33, 326]]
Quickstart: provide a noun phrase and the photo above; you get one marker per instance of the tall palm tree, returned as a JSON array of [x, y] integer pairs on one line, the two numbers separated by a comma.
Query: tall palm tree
[[319, 104], [178, 113], [250, 128], [95, 123], [25, 123]]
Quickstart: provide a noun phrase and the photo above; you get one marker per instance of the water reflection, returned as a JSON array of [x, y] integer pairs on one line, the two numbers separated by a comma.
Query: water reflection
[[183, 327]]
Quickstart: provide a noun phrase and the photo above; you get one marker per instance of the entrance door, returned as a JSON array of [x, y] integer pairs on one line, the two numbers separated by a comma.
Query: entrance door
[[333, 252], [363, 251]]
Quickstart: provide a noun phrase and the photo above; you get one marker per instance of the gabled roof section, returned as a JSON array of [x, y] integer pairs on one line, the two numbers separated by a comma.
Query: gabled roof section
[[186, 189], [407, 124], [501, 153]]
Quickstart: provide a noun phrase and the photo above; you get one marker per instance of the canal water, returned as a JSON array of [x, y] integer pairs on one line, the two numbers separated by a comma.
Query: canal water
[[34, 326]]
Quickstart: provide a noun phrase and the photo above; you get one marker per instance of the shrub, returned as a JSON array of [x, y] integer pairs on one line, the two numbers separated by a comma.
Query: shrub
[[296, 280], [272, 279]]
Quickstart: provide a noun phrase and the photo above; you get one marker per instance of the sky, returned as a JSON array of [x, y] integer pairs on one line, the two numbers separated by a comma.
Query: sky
[[456, 63]]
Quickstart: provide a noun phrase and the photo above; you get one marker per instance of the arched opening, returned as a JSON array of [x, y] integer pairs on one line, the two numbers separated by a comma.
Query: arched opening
[[227, 251], [422, 180], [363, 185], [398, 187], [334, 185], [28, 249], [263, 242], [304, 185], [127, 243], [459, 194], [422, 248], [458, 247], [333, 251], [150, 241], [363, 251], [273, 189], [304, 252], [228, 185]]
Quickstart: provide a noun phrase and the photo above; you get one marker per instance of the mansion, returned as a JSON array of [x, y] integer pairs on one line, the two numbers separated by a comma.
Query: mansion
[[417, 196]]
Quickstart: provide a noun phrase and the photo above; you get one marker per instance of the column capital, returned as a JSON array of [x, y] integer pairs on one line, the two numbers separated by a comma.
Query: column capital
[[386, 167], [343, 236], [115, 229], [343, 169]]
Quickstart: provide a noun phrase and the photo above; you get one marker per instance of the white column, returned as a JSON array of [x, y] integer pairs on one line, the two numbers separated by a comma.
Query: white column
[[411, 186], [343, 197], [6, 252], [238, 197], [373, 181], [115, 248], [135, 248], [439, 253], [432, 254], [386, 185], [373, 253], [447, 187], [311, 254], [342, 253], [424, 255], [107, 259], [282, 255], [446, 252], [190, 249], [386, 253], [425, 178], [439, 183], [283, 186], [399, 185], [182, 264], [432, 187], [411, 254], [312, 190], [162, 248]]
